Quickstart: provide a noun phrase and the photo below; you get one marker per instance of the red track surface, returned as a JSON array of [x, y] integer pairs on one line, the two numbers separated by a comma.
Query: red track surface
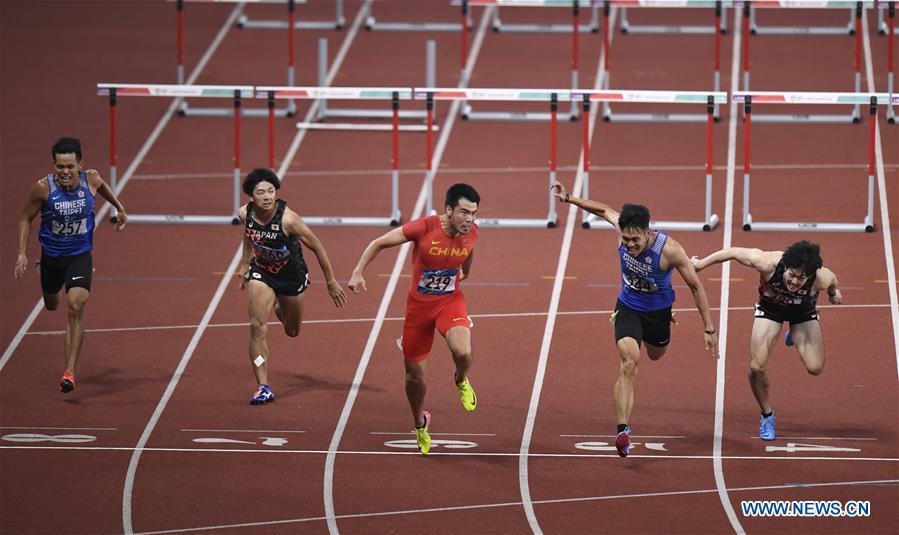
[[155, 283]]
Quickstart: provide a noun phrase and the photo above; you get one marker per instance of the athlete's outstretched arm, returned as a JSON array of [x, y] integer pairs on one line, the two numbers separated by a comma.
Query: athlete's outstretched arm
[[100, 186], [39, 193], [294, 225], [754, 258], [826, 279], [594, 207], [390, 239], [675, 254]]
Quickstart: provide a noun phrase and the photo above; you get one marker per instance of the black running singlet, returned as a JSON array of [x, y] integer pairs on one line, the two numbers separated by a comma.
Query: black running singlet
[[775, 291], [273, 250]]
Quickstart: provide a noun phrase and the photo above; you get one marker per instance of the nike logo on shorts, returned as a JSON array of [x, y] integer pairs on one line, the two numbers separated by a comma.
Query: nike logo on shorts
[[76, 278]]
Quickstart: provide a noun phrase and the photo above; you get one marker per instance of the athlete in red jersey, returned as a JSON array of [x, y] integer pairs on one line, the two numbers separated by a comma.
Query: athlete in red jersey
[[441, 259]]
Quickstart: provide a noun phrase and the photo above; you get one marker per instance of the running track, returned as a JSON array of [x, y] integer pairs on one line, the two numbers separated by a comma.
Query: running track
[[164, 362]]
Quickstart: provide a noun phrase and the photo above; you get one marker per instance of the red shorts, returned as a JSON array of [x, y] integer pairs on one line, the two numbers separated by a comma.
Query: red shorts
[[421, 319]]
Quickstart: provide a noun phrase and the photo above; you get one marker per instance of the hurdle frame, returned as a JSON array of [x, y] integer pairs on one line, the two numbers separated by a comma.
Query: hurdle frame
[[186, 111], [243, 21], [626, 27], [748, 98], [717, 31], [468, 112], [237, 93], [711, 99], [326, 112], [859, 7], [549, 96], [394, 94], [372, 24], [499, 26], [755, 29]]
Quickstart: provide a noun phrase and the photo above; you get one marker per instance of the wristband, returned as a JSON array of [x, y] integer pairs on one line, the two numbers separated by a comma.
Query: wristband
[[567, 197], [710, 332]]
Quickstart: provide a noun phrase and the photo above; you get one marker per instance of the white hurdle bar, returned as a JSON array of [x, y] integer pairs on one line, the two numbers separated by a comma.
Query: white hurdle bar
[[847, 29], [326, 111], [393, 94], [606, 82], [468, 113], [748, 98], [710, 99], [288, 111], [243, 21], [237, 93], [499, 26], [858, 6], [548, 96], [720, 26], [371, 23]]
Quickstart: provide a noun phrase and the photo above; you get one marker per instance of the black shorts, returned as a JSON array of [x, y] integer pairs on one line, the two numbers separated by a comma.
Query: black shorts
[[69, 271], [291, 283], [652, 327], [785, 313]]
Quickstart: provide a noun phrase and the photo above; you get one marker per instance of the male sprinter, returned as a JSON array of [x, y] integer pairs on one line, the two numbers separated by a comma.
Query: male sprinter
[[65, 199], [441, 260], [643, 310], [789, 284]]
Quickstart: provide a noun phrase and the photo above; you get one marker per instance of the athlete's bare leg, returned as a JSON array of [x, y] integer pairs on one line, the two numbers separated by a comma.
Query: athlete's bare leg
[[810, 343], [765, 334], [260, 303], [416, 388], [623, 394], [458, 339]]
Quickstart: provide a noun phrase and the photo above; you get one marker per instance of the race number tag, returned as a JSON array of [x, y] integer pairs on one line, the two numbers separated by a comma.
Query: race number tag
[[70, 228], [639, 284], [438, 282]]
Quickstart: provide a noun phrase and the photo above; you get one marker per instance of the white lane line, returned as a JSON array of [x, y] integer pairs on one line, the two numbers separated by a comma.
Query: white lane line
[[242, 431], [786, 486], [558, 281], [720, 370], [128, 490], [884, 204], [393, 280], [61, 428], [399, 318]]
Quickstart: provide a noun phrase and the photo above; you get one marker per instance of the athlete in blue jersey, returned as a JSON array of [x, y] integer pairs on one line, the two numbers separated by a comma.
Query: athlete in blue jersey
[[789, 284], [643, 311], [273, 270], [65, 199]]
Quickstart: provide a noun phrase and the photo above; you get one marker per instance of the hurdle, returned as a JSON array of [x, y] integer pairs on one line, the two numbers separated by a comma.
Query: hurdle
[[499, 26], [372, 24], [326, 112], [395, 95], [243, 21], [237, 93], [891, 47], [552, 97], [710, 99], [184, 110], [607, 114], [468, 113], [848, 29], [859, 5], [748, 98], [720, 26]]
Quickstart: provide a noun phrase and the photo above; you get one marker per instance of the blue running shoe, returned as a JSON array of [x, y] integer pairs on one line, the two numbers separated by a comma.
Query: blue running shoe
[[262, 396], [623, 442], [788, 338], [766, 427]]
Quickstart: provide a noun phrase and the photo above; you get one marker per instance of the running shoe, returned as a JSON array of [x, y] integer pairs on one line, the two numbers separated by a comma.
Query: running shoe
[[623, 442], [788, 338], [467, 396], [262, 396], [67, 383], [422, 436], [766, 427]]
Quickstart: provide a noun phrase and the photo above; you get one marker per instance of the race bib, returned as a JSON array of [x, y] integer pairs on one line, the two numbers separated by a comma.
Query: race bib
[[438, 282], [70, 228], [638, 284]]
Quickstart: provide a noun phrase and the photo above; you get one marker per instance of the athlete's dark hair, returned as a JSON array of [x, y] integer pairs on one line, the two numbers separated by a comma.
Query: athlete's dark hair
[[803, 255], [460, 191], [635, 216], [66, 145], [260, 174]]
